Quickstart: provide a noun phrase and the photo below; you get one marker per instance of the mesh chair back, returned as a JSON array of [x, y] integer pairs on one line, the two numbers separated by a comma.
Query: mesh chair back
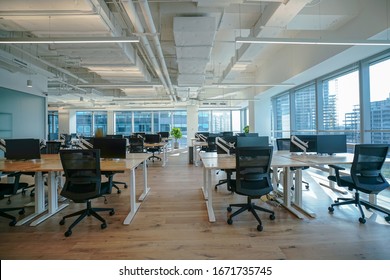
[[283, 144], [82, 174], [367, 165], [253, 170], [52, 147], [136, 145]]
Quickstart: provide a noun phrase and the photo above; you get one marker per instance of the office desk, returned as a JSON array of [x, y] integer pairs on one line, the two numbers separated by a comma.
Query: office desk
[[212, 161], [197, 144], [163, 145], [52, 165]]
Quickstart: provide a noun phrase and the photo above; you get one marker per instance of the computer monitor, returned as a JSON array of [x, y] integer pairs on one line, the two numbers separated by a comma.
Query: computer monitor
[[116, 136], [331, 144], [227, 133], [152, 138], [311, 140], [164, 134], [258, 141], [111, 148], [249, 134], [22, 149]]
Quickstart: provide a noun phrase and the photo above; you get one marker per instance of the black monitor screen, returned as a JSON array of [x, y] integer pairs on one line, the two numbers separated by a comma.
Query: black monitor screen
[[22, 149], [252, 141], [331, 144], [164, 134], [152, 138], [311, 140], [110, 147], [116, 136]]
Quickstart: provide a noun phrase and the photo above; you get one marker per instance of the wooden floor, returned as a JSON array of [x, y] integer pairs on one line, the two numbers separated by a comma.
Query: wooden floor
[[172, 223]]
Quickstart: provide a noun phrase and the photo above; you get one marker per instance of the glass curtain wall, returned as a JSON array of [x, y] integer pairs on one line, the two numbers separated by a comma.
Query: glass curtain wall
[[304, 110], [354, 101], [341, 109], [52, 125], [88, 121], [143, 122], [123, 123], [380, 101]]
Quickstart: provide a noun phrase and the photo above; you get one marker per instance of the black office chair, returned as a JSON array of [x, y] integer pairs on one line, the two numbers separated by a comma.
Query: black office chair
[[136, 145], [283, 144], [9, 189], [365, 176], [152, 139], [252, 180], [83, 183]]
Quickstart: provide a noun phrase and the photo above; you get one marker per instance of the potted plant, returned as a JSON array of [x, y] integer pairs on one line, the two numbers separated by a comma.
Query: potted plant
[[246, 129], [176, 133]]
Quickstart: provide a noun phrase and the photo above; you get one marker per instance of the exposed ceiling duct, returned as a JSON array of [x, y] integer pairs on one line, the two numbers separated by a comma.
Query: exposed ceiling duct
[[194, 38]]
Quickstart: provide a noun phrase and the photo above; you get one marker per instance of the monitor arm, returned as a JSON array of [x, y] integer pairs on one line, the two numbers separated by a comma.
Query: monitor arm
[[84, 144], [202, 137], [226, 146], [2, 145], [299, 143]]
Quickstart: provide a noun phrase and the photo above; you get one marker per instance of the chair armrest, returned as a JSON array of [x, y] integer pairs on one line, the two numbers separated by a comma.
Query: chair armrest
[[336, 177]]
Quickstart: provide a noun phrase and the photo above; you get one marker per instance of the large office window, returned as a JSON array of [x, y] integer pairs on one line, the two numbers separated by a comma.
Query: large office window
[[220, 120], [341, 110], [165, 121], [142, 121], [305, 110], [204, 120], [180, 121], [52, 119], [123, 122], [281, 109], [87, 122], [380, 101]]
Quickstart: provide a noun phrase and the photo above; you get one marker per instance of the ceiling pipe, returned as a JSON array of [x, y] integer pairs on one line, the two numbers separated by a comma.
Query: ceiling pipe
[[152, 29], [132, 13]]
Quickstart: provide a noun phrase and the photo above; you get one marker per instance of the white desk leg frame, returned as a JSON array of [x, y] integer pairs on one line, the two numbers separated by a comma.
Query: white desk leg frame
[[286, 203], [133, 204], [146, 188], [39, 199], [53, 207], [298, 194], [209, 201], [204, 188]]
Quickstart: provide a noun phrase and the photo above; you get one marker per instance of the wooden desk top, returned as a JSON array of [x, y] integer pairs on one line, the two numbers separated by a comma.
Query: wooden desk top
[[52, 162], [212, 160]]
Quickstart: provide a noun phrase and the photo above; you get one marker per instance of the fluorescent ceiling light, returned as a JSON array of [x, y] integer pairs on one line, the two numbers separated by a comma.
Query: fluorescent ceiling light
[[129, 85], [73, 40], [297, 41], [231, 85]]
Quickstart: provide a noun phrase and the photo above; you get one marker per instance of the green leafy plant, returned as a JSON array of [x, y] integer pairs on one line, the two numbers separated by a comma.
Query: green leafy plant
[[246, 129], [176, 133]]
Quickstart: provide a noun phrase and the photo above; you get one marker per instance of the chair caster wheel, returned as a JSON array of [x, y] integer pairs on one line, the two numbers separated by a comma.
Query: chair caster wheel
[[12, 223], [8, 202], [118, 191], [68, 233], [330, 209], [62, 222], [272, 217], [112, 212], [259, 228], [21, 212], [362, 220], [125, 186], [229, 221], [103, 226], [229, 209]]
